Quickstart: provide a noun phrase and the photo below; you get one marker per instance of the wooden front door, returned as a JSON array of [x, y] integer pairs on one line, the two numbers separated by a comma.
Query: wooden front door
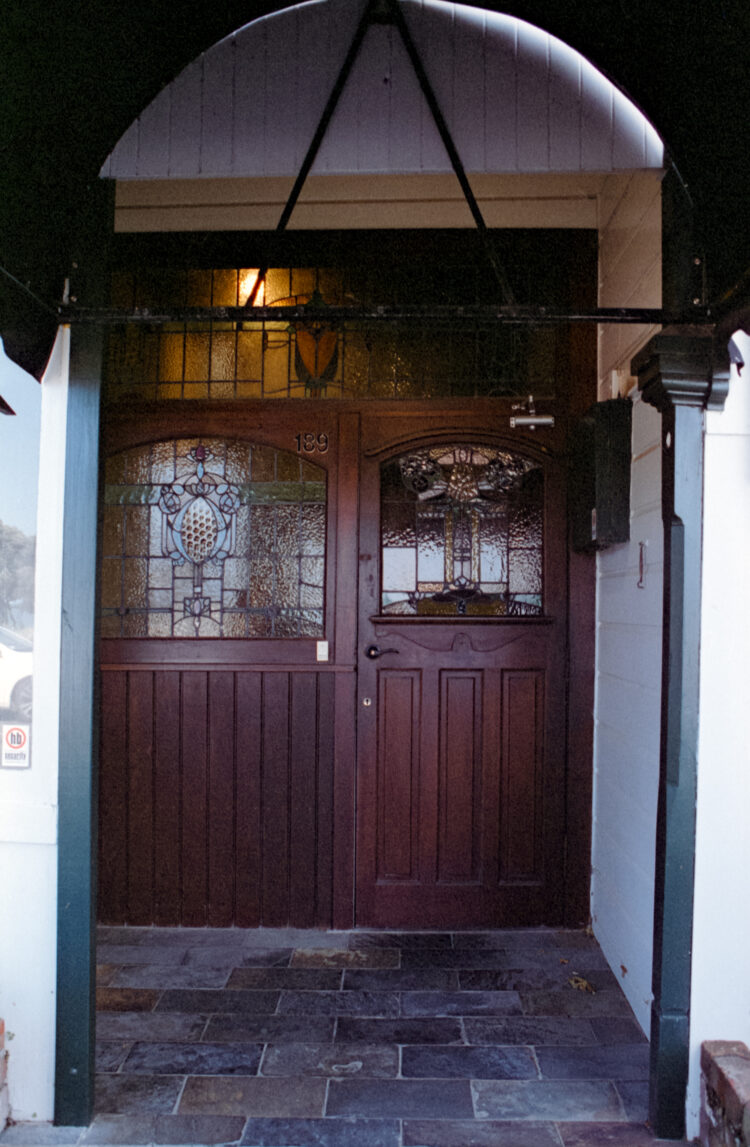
[[227, 666], [461, 690], [383, 744]]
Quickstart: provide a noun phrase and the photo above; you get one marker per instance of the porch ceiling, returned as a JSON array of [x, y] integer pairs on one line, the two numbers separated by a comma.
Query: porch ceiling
[[76, 75]]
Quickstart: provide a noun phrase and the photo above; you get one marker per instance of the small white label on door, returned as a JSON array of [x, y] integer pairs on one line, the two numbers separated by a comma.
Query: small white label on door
[[16, 747], [322, 650]]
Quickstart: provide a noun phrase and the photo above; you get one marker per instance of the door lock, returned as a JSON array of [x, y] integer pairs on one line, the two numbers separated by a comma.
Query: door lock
[[374, 651]]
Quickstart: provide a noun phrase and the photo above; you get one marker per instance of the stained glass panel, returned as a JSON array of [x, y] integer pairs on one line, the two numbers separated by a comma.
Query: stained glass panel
[[213, 538], [461, 533], [314, 356]]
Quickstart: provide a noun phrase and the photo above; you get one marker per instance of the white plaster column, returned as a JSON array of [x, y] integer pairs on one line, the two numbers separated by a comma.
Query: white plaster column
[[720, 996], [28, 798]]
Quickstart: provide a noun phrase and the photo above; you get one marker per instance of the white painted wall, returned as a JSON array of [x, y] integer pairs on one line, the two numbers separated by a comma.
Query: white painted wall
[[626, 730], [720, 1003], [28, 800], [628, 652]]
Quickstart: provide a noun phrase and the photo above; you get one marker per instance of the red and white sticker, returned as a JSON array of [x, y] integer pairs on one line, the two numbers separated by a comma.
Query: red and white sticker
[[16, 746]]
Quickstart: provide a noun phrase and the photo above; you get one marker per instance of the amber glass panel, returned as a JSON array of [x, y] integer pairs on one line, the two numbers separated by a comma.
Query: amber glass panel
[[313, 356], [461, 533], [213, 538]]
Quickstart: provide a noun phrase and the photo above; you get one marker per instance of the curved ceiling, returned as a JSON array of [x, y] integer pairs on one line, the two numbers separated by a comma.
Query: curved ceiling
[[515, 98], [76, 73]]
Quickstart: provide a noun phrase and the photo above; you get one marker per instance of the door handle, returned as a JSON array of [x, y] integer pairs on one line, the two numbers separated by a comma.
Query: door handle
[[374, 651]]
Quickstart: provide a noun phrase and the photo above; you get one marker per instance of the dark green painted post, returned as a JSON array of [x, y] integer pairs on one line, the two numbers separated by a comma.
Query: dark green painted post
[[78, 739], [676, 374]]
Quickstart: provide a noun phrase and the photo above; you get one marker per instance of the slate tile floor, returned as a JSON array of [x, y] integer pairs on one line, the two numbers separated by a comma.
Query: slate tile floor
[[285, 1038]]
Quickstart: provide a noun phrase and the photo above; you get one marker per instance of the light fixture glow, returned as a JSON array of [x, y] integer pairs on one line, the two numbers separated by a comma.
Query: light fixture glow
[[248, 279]]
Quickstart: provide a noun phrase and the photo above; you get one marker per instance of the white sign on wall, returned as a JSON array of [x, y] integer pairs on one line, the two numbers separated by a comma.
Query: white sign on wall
[[16, 747]]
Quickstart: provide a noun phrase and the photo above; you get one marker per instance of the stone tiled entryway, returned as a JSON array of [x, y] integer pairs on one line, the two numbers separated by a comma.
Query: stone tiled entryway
[[315, 1039]]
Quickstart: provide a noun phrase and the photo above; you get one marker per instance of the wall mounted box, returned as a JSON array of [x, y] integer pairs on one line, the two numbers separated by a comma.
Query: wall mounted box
[[599, 452]]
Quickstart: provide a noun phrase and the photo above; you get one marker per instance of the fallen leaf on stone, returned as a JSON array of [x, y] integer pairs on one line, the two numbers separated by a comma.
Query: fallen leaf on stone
[[581, 985], [562, 961]]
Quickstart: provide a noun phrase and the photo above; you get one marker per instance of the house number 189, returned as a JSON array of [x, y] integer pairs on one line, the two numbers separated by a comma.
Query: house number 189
[[311, 443]]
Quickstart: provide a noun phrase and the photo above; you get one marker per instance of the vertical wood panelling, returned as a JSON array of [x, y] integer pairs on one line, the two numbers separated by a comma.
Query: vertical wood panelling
[[113, 800], [564, 109], [194, 860], [141, 786], [374, 101], [184, 107], [279, 104], [520, 844], [628, 136], [533, 112], [397, 768], [249, 807], [153, 138], [511, 94], [344, 754], [220, 827], [436, 50], [249, 105], [469, 90], [459, 779], [339, 148], [218, 100], [275, 797], [123, 161], [167, 879], [324, 802], [501, 102], [596, 120], [217, 797], [407, 103], [322, 47], [303, 760]]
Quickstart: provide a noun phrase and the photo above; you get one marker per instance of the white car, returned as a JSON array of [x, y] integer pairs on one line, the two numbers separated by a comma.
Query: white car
[[15, 673]]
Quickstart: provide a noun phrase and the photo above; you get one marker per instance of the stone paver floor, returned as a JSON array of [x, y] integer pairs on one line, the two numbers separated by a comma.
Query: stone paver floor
[[284, 1038]]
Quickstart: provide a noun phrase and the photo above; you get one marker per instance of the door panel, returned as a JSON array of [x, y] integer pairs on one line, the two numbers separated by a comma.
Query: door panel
[[459, 777], [398, 760], [216, 797], [521, 856], [461, 744], [218, 755]]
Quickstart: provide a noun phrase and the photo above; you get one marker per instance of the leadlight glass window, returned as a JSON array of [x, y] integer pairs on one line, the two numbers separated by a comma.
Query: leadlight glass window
[[213, 538], [462, 533], [313, 357]]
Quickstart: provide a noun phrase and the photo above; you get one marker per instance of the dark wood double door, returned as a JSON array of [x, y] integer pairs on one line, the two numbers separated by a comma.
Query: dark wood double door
[[410, 773]]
